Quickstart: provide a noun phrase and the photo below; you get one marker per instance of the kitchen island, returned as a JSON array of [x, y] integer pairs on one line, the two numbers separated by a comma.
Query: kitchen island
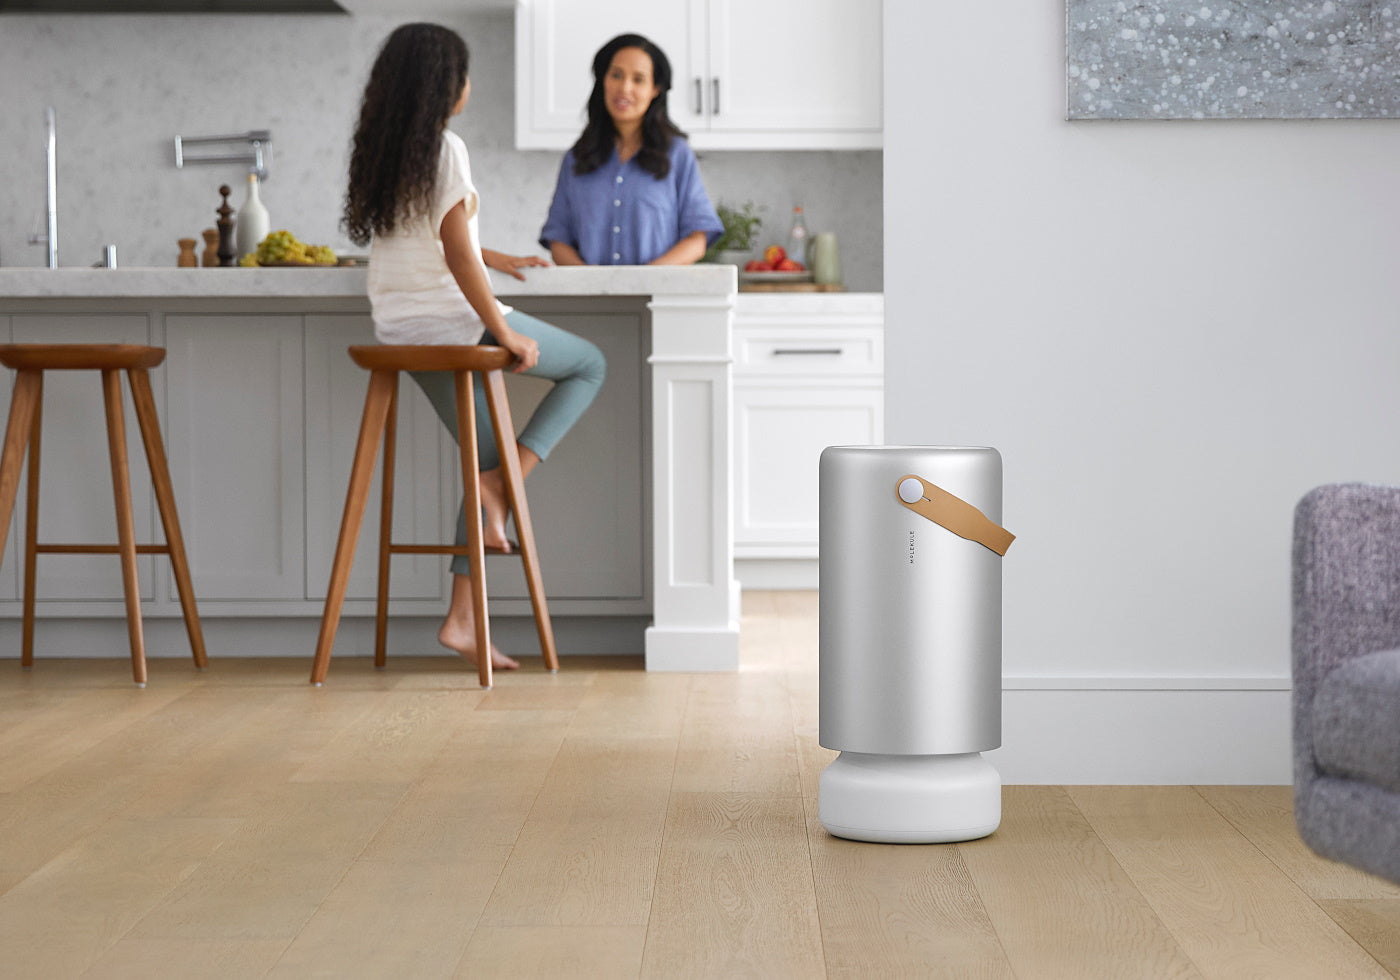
[[261, 408]]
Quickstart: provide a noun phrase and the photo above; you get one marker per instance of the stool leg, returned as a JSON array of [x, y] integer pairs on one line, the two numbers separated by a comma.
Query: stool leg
[[126, 530], [386, 527], [149, 423], [29, 386], [471, 502], [504, 430], [371, 431], [31, 532]]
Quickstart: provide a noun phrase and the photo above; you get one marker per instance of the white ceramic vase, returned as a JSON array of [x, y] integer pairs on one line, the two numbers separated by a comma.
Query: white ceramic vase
[[252, 222]]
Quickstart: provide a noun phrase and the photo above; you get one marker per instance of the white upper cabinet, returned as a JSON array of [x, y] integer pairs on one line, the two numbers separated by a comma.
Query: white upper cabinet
[[755, 75], [799, 75]]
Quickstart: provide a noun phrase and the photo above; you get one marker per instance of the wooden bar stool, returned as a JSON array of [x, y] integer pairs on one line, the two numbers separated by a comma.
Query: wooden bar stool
[[30, 361], [384, 362]]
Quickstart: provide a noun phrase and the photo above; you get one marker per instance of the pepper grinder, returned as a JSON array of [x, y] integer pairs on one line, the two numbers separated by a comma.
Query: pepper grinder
[[211, 247], [226, 248], [187, 259]]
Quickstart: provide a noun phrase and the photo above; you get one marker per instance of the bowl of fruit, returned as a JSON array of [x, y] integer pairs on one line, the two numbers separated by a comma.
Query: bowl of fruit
[[775, 266], [282, 249]]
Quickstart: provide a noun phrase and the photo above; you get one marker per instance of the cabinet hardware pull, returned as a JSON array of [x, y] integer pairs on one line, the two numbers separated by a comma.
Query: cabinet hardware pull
[[806, 350], [699, 97], [714, 97]]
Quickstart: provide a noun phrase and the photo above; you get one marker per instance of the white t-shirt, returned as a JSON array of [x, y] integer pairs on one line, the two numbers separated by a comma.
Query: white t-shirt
[[413, 296]]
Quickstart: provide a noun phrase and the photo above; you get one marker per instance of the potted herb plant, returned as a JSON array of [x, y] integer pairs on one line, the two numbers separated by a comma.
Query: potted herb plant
[[740, 234]]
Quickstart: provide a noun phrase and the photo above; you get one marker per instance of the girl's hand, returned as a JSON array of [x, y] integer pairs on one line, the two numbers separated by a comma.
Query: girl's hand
[[526, 349], [511, 264]]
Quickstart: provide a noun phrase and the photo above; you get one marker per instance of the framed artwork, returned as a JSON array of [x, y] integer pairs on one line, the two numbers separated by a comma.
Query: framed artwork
[[1241, 59]]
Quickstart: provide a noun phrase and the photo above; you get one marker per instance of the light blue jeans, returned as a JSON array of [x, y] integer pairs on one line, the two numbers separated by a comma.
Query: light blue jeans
[[577, 368]]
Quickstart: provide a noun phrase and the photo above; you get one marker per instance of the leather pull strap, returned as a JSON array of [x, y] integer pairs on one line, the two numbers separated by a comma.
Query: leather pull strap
[[952, 512]]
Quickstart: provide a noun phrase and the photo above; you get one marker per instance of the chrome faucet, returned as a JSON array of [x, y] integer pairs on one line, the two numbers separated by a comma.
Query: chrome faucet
[[50, 237]]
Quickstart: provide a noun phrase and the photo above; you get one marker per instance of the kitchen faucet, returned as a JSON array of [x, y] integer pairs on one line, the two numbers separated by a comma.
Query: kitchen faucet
[[50, 237]]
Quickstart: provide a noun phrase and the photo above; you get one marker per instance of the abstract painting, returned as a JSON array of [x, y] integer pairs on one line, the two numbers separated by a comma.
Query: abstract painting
[[1237, 59]]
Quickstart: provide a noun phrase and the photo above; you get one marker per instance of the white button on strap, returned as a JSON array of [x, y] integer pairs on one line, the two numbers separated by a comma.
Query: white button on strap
[[911, 490]]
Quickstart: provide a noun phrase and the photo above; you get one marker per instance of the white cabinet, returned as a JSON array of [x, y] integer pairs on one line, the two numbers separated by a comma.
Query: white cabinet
[[261, 413], [555, 41], [803, 74], [766, 74], [236, 452], [808, 373]]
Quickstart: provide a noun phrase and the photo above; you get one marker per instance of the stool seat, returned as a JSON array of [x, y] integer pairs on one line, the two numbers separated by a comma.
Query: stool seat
[[80, 357], [22, 438], [377, 427], [421, 357]]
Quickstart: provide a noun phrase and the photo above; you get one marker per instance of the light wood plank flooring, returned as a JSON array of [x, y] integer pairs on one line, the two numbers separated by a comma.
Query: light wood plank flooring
[[603, 822]]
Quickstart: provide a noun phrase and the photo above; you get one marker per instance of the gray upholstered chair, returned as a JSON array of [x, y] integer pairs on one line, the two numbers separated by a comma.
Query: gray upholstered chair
[[1346, 674]]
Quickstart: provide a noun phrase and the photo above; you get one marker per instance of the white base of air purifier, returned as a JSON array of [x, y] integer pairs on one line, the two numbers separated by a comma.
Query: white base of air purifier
[[910, 799]]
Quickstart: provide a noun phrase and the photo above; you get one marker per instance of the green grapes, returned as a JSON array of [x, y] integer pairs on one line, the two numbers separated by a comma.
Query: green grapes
[[283, 246]]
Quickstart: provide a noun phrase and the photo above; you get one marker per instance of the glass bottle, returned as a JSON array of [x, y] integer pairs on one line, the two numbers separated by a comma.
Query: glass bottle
[[798, 238], [252, 226]]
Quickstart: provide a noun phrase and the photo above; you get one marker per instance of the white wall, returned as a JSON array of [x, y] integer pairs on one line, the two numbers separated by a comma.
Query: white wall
[[125, 85], [1171, 331]]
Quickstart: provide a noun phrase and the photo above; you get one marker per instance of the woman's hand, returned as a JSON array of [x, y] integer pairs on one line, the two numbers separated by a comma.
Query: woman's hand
[[511, 264], [565, 254], [526, 349], [687, 251]]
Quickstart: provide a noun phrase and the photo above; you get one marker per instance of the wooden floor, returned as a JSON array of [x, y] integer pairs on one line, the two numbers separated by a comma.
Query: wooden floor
[[603, 822]]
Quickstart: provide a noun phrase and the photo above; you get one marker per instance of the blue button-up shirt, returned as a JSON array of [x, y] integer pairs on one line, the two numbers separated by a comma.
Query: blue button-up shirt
[[621, 215]]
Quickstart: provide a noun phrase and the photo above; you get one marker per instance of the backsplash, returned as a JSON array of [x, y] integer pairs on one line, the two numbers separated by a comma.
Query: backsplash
[[124, 86]]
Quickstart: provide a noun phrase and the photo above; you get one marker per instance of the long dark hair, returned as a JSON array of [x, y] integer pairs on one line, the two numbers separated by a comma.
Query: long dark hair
[[414, 85], [596, 144]]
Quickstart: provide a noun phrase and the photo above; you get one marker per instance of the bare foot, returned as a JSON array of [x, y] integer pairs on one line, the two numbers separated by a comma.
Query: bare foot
[[463, 643], [493, 503]]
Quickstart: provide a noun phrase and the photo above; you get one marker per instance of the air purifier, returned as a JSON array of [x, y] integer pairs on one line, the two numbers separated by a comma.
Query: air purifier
[[911, 550]]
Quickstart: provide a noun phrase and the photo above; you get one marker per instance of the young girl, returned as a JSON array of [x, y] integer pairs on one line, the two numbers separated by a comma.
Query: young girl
[[629, 192], [411, 197]]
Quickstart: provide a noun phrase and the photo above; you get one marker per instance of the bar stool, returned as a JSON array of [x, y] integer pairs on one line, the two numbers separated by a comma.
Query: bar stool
[[384, 362], [30, 361]]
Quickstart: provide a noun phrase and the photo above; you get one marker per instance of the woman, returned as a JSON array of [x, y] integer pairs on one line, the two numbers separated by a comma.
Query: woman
[[629, 192], [412, 198]]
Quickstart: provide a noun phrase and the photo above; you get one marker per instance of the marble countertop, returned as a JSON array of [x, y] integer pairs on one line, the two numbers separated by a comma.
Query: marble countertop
[[695, 280]]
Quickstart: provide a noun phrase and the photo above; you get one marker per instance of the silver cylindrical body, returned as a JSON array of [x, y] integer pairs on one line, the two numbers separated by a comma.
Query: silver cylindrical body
[[910, 612]]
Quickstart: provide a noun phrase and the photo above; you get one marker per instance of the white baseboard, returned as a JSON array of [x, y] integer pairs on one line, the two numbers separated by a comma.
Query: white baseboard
[[776, 574], [697, 650], [1155, 731], [296, 637]]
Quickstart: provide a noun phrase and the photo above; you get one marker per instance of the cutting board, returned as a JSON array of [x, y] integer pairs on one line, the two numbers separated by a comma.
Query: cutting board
[[791, 287]]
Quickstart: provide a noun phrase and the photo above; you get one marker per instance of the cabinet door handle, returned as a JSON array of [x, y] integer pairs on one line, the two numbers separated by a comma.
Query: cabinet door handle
[[699, 96], [807, 350], [714, 96]]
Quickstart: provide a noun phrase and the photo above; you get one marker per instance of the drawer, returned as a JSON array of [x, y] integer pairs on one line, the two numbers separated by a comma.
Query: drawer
[[844, 351]]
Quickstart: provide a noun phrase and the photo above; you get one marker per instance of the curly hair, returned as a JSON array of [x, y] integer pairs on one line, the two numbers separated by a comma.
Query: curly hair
[[599, 134], [415, 83]]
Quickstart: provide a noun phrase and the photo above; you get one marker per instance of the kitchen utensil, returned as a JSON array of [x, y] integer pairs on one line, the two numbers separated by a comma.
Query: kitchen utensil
[[803, 276], [211, 247], [227, 256]]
